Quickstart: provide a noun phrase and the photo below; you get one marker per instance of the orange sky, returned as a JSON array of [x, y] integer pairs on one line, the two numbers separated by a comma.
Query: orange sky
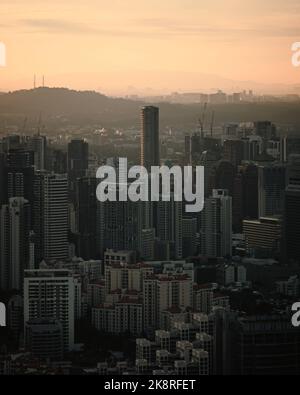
[[164, 45]]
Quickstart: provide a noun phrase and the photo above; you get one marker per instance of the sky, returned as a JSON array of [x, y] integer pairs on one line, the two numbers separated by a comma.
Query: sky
[[134, 46]]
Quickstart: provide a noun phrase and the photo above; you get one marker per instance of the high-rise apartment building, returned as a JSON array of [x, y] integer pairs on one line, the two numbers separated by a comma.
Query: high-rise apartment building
[[38, 144], [50, 294], [160, 293]]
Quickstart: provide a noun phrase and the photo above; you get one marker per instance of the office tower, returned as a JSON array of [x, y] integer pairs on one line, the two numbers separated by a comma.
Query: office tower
[[121, 222], [222, 176], [169, 226], [265, 129], [148, 244], [274, 148], [57, 161], [263, 236], [208, 160], [245, 197], [216, 225], [233, 152], [11, 142], [289, 146], [250, 190], [231, 129], [15, 242], [252, 147], [51, 216], [3, 186], [15, 315], [50, 294], [150, 137], [86, 205], [78, 160], [266, 345], [19, 174], [271, 188], [38, 144], [162, 292], [121, 225], [189, 237], [292, 211], [44, 338], [19, 158]]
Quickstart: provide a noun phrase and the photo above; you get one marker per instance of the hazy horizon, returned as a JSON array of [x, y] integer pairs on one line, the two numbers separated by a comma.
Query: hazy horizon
[[144, 47]]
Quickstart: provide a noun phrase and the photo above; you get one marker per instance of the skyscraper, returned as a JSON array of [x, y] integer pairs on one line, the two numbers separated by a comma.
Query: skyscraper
[[86, 218], [216, 225], [292, 211], [14, 243], [78, 158], [20, 174], [51, 216], [38, 144], [150, 137], [271, 187], [169, 226], [233, 151]]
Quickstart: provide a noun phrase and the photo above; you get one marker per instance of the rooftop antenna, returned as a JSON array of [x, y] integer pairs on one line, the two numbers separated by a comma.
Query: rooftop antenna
[[43, 81], [34, 81]]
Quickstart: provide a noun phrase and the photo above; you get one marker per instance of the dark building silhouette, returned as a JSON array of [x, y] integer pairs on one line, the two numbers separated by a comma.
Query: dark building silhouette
[[245, 196], [233, 151], [14, 242], [78, 157], [271, 186], [266, 345], [150, 137], [57, 161], [222, 176], [292, 211], [86, 218]]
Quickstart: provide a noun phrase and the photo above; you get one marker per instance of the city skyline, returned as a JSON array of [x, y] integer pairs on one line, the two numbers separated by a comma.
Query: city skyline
[[119, 49]]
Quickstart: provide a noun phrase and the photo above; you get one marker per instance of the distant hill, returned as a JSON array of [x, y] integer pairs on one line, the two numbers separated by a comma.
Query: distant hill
[[57, 105]]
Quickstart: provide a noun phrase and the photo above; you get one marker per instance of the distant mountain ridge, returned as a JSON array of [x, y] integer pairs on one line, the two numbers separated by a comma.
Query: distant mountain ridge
[[57, 105]]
